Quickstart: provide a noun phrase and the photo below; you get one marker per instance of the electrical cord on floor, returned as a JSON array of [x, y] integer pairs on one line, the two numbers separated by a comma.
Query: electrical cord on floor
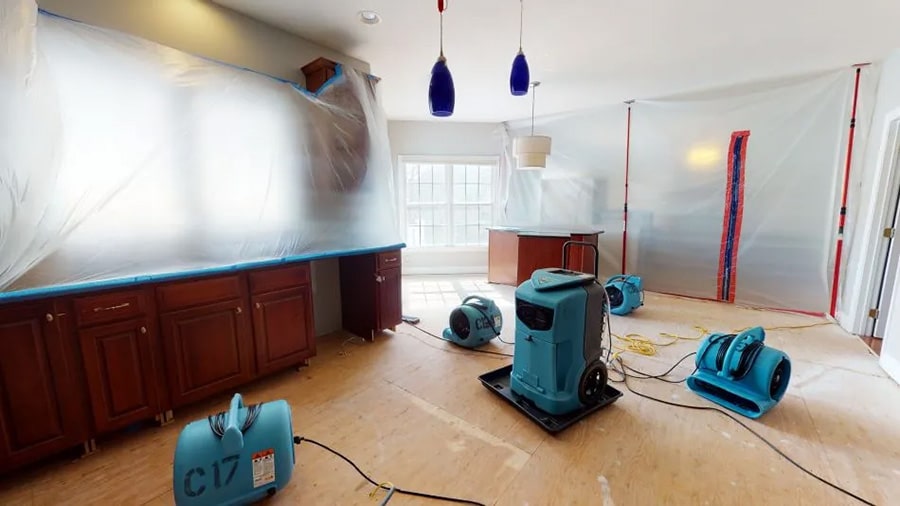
[[476, 350], [624, 380], [660, 377], [385, 485]]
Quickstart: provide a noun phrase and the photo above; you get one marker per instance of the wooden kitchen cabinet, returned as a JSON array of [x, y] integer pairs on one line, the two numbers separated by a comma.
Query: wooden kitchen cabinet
[[371, 292], [283, 329], [40, 394], [75, 367], [207, 337], [122, 358], [120, 368]]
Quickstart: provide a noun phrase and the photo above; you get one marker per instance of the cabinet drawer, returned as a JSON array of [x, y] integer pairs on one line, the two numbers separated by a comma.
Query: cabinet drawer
[[270, 280], [110, 307], [388, 259], [194, 293]]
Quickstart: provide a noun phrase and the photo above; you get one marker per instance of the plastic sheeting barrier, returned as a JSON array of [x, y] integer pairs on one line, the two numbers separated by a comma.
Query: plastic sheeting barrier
[[122, 158], [779, 254]]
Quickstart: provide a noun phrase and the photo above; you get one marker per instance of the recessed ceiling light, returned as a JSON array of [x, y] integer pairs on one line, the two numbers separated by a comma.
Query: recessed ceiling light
[[369, 17]]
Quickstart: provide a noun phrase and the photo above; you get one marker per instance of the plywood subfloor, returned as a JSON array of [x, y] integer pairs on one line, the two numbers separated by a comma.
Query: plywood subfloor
[[409, 409]]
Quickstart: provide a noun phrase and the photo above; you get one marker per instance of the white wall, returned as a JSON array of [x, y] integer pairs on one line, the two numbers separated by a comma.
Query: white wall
[[437, 138], [205, 29]]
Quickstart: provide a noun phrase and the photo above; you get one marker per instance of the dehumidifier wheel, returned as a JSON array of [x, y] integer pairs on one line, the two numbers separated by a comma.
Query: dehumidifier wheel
[[593, 383]]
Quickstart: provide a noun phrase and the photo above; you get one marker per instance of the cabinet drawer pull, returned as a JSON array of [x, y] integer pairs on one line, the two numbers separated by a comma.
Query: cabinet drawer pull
[[112, 308], [49, 317], [390, 260], [378, 278], [143, 330], [239, 310], [258, 305]]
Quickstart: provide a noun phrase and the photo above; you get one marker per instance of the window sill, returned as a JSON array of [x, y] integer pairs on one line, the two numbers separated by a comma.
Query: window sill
[[446, 249]]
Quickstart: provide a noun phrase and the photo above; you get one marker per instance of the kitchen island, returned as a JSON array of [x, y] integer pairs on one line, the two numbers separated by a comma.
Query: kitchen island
[[515, 252]]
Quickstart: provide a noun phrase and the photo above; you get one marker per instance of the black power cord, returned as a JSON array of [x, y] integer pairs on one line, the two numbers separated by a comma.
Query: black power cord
[[476, 350], [298, 440], [625, 377]]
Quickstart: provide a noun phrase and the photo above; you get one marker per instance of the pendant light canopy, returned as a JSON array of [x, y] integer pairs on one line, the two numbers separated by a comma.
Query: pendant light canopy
[[441, 92], [531, 151], [520, 76]]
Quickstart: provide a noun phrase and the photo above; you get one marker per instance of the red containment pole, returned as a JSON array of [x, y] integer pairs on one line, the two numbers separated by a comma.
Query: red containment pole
[[843, 212], [625, 209]]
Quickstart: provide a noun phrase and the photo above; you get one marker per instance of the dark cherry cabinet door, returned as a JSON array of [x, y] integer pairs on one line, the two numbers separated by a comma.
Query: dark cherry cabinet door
[[283, 328], [389, 298], [120, 368], [209, 349], [39, 410]]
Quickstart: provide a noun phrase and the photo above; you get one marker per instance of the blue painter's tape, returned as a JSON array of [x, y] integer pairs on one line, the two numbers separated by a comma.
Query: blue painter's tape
[[43, 292]]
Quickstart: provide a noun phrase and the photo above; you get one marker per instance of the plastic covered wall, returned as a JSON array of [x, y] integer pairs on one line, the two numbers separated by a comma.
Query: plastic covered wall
[[122, 159], [582, 185], [733, 193]]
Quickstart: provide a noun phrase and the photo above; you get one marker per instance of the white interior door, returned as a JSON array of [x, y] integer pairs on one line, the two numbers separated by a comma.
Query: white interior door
[[888, 254]]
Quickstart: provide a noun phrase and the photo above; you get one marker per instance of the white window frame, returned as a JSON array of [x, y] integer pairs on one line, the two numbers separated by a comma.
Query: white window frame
[[403, 160]]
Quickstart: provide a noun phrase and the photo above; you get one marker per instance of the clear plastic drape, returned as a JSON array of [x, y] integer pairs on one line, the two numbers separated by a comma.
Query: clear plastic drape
[[741, 184], [733, 193], [120, 157], [583, 183]]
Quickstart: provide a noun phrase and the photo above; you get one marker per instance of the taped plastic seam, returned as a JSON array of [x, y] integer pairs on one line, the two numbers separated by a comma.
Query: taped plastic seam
[[123, 158], [677, 186]]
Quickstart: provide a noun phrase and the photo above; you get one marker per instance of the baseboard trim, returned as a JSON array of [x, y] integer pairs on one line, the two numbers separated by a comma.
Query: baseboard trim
[[890, 366], [443, 270]]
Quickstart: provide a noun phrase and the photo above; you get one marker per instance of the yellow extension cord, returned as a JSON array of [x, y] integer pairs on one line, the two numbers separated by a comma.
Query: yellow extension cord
[[638, 344]]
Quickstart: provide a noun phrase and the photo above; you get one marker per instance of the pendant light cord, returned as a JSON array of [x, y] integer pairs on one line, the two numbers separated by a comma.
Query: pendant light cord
[[521, 22], [441, 7], [533, 92]]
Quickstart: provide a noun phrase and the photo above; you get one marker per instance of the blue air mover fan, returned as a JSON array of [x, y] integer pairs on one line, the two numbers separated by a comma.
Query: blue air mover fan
[[626, 293], [558, 374], [474, 322], [235, 457], [739, 372]]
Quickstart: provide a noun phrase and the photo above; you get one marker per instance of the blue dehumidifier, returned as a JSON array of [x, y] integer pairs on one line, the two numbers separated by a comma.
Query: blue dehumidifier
[[240, 456], [741, 373], [474, 322], [558, 374], [626, 293]]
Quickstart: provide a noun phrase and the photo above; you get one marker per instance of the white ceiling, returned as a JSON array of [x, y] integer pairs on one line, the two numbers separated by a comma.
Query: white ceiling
[[585, 52]]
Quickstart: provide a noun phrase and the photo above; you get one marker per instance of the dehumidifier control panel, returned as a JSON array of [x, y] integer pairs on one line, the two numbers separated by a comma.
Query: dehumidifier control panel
[[555, 279]]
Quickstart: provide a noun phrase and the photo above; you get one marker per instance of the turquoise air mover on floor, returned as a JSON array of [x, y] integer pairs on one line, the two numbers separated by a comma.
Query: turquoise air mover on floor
[[741, 373], [626, 293], [236, 457], [474, 322]]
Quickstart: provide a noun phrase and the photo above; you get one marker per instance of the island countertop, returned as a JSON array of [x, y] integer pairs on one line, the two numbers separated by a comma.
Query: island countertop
[[547, 231]]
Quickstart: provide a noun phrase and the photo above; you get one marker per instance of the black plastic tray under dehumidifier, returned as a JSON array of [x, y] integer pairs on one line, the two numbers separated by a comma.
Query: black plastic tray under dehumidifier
[[498, 381]]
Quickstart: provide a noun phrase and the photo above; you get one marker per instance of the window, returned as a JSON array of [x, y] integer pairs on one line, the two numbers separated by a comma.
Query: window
[[448, 202]]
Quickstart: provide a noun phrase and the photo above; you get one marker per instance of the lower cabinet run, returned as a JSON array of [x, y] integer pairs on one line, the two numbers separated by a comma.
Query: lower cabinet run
[[75, 367], [41, 404]]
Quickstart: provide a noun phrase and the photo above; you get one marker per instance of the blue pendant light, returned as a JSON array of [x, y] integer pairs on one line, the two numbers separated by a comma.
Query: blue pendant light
[[441, 93], [520, 77]]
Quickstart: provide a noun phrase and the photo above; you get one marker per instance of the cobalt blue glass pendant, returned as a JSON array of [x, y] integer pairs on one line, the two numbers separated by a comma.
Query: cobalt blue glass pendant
[[519, 77], [441, 94]]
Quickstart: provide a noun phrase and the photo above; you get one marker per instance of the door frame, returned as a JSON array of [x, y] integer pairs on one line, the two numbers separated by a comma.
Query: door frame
[[880, 215]]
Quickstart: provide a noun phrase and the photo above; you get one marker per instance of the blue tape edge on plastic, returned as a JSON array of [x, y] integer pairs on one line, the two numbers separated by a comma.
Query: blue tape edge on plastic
[[43, 292], [338, 71]]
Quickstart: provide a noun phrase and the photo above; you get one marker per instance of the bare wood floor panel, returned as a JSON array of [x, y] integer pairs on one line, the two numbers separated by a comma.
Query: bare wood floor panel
[[409, 409]]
